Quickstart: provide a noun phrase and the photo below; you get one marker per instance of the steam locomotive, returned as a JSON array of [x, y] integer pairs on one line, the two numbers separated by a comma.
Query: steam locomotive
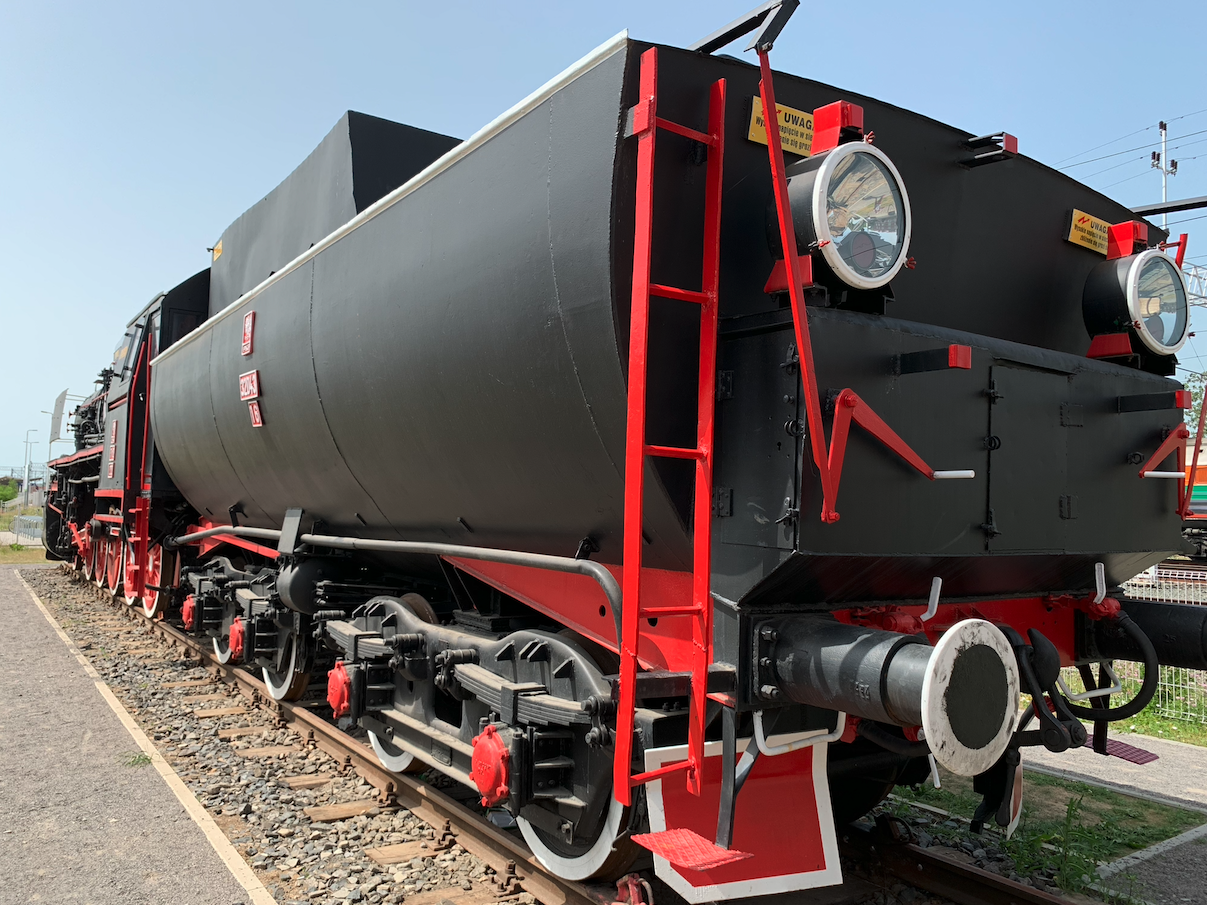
[[533, 444]]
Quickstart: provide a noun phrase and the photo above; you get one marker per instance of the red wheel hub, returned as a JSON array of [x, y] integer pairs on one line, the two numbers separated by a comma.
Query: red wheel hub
[[490, 771], [189, 611], [236, 639], [339, 690]]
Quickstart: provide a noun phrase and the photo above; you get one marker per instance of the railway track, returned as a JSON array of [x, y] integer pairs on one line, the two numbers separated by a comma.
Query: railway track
[[515, 868]]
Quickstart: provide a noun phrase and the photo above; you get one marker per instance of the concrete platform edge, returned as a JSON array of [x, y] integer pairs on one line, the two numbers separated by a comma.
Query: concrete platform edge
[[1152, 851], [234, 862]]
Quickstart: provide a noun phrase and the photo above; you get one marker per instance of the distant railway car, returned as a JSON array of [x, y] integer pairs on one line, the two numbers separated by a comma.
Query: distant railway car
[[663, 476]]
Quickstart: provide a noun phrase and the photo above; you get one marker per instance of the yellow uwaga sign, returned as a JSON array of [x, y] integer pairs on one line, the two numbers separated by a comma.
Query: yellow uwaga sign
[[218, 250], [796, 128], [1088, 232]]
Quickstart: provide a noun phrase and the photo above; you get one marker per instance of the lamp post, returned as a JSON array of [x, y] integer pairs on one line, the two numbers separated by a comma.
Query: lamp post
[[25, 484]]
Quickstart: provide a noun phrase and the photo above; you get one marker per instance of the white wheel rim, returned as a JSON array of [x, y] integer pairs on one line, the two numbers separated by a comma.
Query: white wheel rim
[[150, 601], [127, 555], [222, 656], [586, 865], [394, 762], [115, 586], [278, 688]]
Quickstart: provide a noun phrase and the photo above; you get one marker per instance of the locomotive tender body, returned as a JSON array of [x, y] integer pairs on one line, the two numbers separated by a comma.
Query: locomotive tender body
[[413, 340], [456, 356]]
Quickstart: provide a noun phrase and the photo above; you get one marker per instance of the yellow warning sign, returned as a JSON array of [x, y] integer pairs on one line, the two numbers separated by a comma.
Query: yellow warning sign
[[1088, 232], [796, 128], [218, 250]]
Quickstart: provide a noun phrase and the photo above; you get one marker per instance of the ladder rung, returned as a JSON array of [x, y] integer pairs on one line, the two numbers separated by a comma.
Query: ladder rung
[[648, 612], [642, 778], [673, 452], [684, 131], [682, 295]]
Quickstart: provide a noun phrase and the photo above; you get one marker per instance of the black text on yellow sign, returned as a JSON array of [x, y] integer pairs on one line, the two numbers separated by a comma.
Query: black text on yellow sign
[[1088, 232], [796, 128]]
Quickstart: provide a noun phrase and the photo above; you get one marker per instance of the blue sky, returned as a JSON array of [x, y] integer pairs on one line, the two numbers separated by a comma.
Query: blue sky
[[132, 134]]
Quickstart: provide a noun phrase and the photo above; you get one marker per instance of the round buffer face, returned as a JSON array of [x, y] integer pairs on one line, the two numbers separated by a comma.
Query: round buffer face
[[970, 697]]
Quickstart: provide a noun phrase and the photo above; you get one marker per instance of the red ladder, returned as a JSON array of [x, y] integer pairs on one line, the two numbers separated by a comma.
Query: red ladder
[[646, 124]]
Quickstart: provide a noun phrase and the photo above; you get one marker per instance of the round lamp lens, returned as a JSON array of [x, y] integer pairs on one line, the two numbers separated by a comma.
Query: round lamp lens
[[866, 215], [1161, 301]]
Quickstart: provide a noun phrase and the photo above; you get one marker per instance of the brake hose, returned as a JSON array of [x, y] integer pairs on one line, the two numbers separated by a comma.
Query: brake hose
[[1152, 676]]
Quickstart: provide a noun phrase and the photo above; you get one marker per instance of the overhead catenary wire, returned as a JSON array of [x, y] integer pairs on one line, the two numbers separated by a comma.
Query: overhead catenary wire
[[1144, 147], [1115, 167], [1187, 219], [1128, 179], [1107, 144]]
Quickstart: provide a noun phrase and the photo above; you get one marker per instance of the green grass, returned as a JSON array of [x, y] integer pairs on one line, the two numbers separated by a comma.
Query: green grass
[[141, 759], [1150, 722], [1066, 825], [6, 518], [15, 554]]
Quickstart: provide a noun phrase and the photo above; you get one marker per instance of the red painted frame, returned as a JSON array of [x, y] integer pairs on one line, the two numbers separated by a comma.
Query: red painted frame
[[205, 545], [82, 454]]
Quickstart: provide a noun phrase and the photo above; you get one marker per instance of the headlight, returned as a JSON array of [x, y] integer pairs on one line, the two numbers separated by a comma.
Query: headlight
[[852, 202], [1144, 294]]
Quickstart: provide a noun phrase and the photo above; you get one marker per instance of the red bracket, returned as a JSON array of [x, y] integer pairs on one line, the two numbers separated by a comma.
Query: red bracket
[[1180, 245], [847, 408], [1126, 238], [1110, 345], [778, 281], [833, 123], [1175, 442]]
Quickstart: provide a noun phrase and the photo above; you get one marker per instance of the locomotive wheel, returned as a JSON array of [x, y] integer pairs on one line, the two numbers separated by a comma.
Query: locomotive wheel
[[100, 552], [393, 758], [610, 852], [86, 557], [222, 650], [853, 795], [151, 598], [113, 565], [127, 588], [290, 684], [607, 855]]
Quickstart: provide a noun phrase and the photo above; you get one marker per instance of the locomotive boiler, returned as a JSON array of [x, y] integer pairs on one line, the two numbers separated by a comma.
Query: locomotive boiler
[[534, 444]]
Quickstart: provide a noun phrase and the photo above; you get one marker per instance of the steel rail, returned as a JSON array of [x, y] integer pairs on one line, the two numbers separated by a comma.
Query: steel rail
[[508, 857], [936, 873]]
